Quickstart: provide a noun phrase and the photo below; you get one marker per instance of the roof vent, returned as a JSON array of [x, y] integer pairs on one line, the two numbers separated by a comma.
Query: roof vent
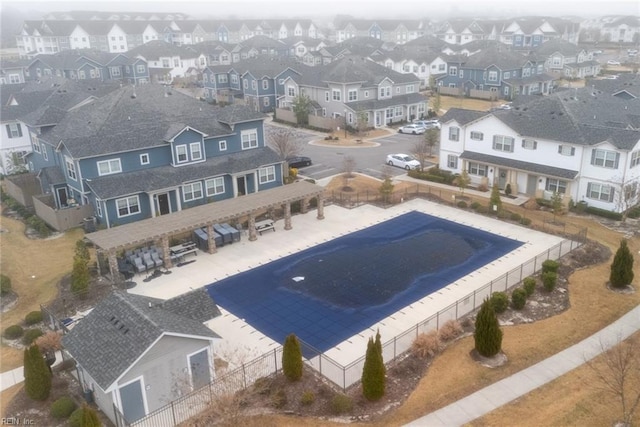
[[129, 118]]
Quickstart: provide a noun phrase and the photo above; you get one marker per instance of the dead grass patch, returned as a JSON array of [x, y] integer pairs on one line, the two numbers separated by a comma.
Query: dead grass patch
[[447, 102]]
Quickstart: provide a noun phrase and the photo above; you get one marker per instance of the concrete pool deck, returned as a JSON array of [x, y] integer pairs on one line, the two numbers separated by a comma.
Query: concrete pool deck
[[308, 231]]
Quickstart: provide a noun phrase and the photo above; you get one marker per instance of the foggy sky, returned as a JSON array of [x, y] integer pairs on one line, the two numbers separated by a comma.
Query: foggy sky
[[358, 8]]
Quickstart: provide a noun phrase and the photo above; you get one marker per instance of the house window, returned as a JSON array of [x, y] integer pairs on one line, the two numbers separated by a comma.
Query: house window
[[234, 78], [335, 95], [82, 75], [192, 191], [493, 76], [410, 89], [215, 186], [454, 133], [205, 78], [477, 169], [398, 111], [267, 174], [366, 94], [108, 167], [196, 151], [99, 208], [452, 161], [291, 91], [605, 158], [567, 150], [128, 206], [249, 139], [389, 114], [14, 130], [265, 101], [503, 143], [45, 155], [529, 144], [14, 78], [461, 74], [222, 145], [115, 71], [35, 143], [353, 95], [635, 159], [222, 78], [326, 96], [397, 89], [600, 192], [245, 84], [144, 159], [556, 185], [176, 62], [265, 84], [477, 136], [181, 153], [254, 85], [165, 63], [507, 75], [441, 67], [140, 68], [71, 169], [453, 71], [350, 117]]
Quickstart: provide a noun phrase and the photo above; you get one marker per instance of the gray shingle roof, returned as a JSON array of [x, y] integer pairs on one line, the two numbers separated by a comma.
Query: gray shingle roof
[[121, 122], [499, 56], [121, 328], [111, 186], [371, 104], [518, 164], [462, 116], [153, 50]]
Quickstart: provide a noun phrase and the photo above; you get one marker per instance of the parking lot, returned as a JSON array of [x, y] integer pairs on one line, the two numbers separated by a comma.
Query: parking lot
[[328, 161]]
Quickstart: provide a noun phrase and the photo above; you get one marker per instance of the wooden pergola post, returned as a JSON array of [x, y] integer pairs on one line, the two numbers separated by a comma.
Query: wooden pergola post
[[211, 238], [252, 227], [287, 216], [166, 254], [320, 206]]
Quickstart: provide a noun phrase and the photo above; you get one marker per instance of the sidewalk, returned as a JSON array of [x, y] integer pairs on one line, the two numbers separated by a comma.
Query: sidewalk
[[517, 385], [16, 376]]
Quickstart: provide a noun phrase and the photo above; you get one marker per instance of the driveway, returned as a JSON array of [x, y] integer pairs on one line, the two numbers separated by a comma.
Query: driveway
[[328, 161]]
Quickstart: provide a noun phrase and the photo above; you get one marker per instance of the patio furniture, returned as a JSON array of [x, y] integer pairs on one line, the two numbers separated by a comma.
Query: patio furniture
[[146, 258], [140, 267], [156, 259], [265, 225]]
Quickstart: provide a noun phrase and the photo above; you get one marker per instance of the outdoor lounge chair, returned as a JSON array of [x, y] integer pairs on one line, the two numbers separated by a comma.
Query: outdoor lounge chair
[[156, 258], [140, 267], [146, 258]]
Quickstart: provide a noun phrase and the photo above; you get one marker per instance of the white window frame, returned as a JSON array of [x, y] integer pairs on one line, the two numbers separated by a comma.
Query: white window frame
[[477, 169], [602, 192], [454, 133], [131, 203], [291, 91], [234, 78], [493, 76], [267, 174], [556, 185], [216, 185], [222, 78], [503, 143], [452, 161], [192, 191], [352, 95], [196, 151], [453, 71], [71, 169], [247, 141], [140, 68], [635, 159], [566, 150], [476, 136], [602, 158], [326, 96], [222, 145], [144, 159], [529, 144], [265, 84], [181, 150], [109, 167], [14, 130], [336, 95]]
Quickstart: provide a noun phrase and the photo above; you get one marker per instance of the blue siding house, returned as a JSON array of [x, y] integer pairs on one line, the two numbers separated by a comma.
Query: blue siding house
[[146, 151]]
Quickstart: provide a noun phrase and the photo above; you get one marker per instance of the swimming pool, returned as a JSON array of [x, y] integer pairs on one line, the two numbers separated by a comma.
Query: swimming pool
[[334, 290]]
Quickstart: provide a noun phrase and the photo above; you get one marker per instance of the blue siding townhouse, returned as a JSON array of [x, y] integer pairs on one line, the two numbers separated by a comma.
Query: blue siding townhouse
[[498, 70], [259, 80], [146, 151]]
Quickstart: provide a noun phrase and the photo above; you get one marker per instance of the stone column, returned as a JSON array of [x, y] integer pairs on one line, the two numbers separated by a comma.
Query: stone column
[[304, 205], [320, 206], [211, 239], [113, 266], [287, 216], [166, 254], [252, 227]]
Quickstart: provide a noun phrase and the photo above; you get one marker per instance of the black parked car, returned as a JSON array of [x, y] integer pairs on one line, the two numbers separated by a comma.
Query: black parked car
[[298, 162]]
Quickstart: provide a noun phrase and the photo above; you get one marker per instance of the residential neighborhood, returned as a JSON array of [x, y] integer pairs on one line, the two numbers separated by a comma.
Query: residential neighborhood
[[201, 209]]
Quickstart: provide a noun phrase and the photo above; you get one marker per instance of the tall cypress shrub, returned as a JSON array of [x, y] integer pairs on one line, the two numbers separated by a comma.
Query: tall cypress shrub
[[292, 358], [90, 417], [373, 372], [622, 267], [37, 377], [487, 336]]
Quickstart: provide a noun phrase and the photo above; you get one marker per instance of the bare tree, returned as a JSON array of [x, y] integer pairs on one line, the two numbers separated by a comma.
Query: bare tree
[[626, 196], [348, 167], [432, 136], [421, 151], [284, 142], [618, 372]]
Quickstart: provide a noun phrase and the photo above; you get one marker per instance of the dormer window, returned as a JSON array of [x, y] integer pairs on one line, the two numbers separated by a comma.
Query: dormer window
[[196, 151], [181, 153], [108, 167]]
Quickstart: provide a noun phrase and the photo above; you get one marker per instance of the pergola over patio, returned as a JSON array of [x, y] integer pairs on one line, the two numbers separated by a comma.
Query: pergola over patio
[[160, 229]]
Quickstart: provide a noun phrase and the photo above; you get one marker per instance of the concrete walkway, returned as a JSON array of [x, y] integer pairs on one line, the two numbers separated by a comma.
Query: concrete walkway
[[517, 385]]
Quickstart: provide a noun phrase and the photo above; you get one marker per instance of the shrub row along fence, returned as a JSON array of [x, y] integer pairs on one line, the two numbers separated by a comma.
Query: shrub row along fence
[[344, 377]]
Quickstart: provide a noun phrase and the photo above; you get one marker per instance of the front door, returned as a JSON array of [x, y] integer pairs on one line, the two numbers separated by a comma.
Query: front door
[[502, 178], [531, 185], [242, 187], [62, 196], [132, 401], [378, 119], [162, 201]]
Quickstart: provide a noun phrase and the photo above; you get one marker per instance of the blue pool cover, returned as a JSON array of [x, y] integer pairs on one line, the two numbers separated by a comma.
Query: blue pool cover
[[332, 291]]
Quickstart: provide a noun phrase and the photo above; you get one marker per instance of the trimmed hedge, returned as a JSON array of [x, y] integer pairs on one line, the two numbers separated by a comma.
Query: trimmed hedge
[[341, 403], [13, 332], [549, 280], [5, 284], [603, 213], [550, 265], [33, 318], [30, 336], [462, 204], [62, 408], [518, 298], [499, 302], [529, 285]]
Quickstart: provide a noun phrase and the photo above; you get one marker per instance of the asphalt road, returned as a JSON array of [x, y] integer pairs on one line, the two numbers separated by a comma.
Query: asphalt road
[[329, 161]]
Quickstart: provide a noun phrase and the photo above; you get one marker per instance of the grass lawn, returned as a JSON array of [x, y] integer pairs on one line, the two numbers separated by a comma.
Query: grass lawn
[[35, 268], [447, 102]]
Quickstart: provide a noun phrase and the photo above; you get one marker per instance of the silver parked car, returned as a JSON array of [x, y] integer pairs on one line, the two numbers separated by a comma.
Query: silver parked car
[[412, 128], [402, 161]]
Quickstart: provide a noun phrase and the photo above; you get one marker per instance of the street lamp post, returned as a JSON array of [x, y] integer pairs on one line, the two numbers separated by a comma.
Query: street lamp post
[[345, 124]]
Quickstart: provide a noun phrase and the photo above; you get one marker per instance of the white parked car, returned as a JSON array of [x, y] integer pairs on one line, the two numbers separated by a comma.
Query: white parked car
[[402, 161], [428, 124], [412, 128], [613, 62]]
